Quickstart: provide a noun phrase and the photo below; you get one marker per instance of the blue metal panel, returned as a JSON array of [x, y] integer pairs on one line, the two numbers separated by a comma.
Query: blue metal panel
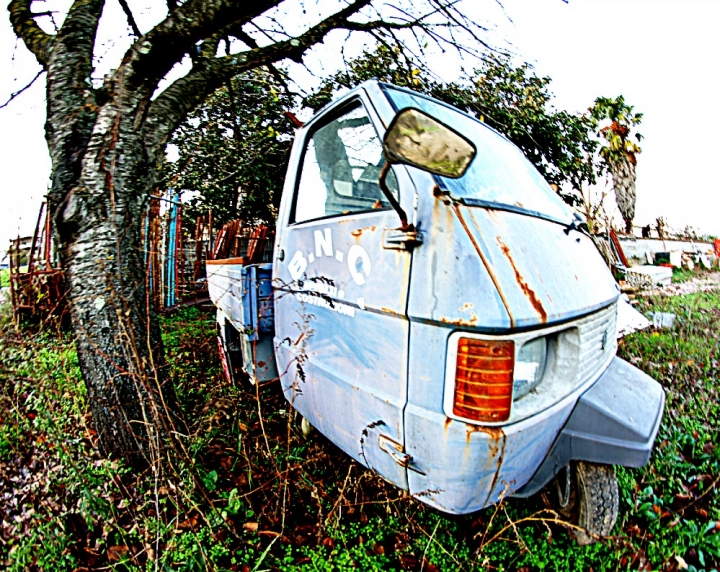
[[466, 466], [615, 422], [494, 272], [171, 268], [244, 295], [342, 346], [258, 323], [516, 271]]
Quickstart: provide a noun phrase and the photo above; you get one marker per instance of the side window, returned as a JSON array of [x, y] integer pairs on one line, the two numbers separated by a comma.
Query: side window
[[340, 169]]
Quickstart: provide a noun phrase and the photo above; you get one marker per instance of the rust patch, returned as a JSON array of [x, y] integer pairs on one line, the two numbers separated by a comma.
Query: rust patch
[[529, 292], [472, 321], [391, 312], [358, 231], [486, 263], [467, 306], [495, 434]]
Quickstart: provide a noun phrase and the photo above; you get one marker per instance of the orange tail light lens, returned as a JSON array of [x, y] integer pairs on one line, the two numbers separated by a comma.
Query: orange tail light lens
[[484, 379]]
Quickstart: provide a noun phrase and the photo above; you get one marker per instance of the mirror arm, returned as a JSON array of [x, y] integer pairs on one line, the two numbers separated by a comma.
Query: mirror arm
[[391, 199]]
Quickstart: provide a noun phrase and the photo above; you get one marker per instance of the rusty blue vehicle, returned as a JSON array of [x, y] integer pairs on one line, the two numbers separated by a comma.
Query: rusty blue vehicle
[[436, 311]]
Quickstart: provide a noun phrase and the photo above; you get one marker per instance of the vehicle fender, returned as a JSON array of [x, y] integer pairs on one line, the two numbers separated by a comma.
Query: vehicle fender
[[614, 422]]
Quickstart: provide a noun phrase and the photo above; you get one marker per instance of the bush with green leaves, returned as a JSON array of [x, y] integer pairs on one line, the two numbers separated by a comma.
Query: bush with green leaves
[[233, 149]]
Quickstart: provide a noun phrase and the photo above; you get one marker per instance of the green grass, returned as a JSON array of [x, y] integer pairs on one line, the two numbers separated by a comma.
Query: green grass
[[680, 275], [4, 278], [254, 495]]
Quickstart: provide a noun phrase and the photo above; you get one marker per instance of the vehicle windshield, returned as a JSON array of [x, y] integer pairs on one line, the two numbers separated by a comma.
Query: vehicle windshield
[[500, 176]]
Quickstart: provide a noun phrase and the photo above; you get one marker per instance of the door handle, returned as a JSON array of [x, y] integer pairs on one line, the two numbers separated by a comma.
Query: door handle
[[397, 452]]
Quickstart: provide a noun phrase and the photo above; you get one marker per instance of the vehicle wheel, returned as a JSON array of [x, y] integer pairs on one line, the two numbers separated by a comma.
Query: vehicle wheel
[[590, 499]]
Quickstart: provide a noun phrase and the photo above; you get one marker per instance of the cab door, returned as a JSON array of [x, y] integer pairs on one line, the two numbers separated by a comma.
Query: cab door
[[342, 288]]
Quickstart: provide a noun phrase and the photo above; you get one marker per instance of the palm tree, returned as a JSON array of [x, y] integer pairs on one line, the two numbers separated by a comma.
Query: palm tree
[[618, 155]]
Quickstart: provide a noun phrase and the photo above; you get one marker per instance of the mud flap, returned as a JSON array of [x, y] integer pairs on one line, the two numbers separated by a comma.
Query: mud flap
[[614, 423]]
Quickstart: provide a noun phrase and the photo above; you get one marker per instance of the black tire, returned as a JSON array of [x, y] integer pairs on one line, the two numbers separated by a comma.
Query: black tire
[[591, 502]]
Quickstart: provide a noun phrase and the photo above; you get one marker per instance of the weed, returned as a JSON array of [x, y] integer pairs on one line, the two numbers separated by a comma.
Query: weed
[[255, 495]]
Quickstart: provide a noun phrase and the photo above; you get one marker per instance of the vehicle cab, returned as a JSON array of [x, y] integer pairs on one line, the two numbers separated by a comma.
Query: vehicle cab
[[454, 333]]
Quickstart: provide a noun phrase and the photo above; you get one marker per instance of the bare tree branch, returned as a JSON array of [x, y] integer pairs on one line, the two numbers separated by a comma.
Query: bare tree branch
[[26, 28], [19, 91], [130, 18], [147, 62], [250, 42], [169, 109]]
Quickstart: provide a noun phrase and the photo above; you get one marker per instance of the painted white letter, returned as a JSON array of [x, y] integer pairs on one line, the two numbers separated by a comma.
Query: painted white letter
[[297, 265], [323, 244], [358, 254]]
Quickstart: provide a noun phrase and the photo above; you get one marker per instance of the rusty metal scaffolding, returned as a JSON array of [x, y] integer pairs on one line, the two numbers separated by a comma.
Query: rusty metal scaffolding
[[243, 243], [37, 292], [175, 257]]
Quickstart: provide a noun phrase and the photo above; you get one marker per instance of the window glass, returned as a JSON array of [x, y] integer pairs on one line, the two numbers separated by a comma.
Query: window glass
[[500, 175], [340, 169]]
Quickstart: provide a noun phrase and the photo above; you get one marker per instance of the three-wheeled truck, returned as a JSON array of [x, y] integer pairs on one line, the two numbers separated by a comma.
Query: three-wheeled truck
[[436, 311]]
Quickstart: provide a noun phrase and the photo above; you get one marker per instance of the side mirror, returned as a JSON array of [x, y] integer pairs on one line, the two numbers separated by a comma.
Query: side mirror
[[417, 139]]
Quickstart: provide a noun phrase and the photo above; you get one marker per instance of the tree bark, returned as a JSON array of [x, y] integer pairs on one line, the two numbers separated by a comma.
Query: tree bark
[[117, 335], [623, 174]]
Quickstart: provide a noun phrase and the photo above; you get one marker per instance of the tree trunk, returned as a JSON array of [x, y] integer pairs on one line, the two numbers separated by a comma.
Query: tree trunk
[[623, 174], [102, 178]]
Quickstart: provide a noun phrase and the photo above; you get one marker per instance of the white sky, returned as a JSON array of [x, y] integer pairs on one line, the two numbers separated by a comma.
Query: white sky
[[662, 55]]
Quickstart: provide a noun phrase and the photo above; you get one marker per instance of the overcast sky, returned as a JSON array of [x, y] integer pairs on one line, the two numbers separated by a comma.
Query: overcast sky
[[662, 55]]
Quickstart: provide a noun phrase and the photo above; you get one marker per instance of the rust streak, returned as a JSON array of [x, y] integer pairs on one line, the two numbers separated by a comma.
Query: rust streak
[[529, 292], [486, 262], [391, 312], [446, 426], [495, 434], [500, 458], [492, 214], [473, 321]]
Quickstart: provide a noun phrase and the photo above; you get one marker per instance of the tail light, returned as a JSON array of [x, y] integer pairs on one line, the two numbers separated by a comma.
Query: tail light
[[484, 379]]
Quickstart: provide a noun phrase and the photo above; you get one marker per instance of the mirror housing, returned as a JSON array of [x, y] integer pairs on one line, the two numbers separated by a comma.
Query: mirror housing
[[415, 138]]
